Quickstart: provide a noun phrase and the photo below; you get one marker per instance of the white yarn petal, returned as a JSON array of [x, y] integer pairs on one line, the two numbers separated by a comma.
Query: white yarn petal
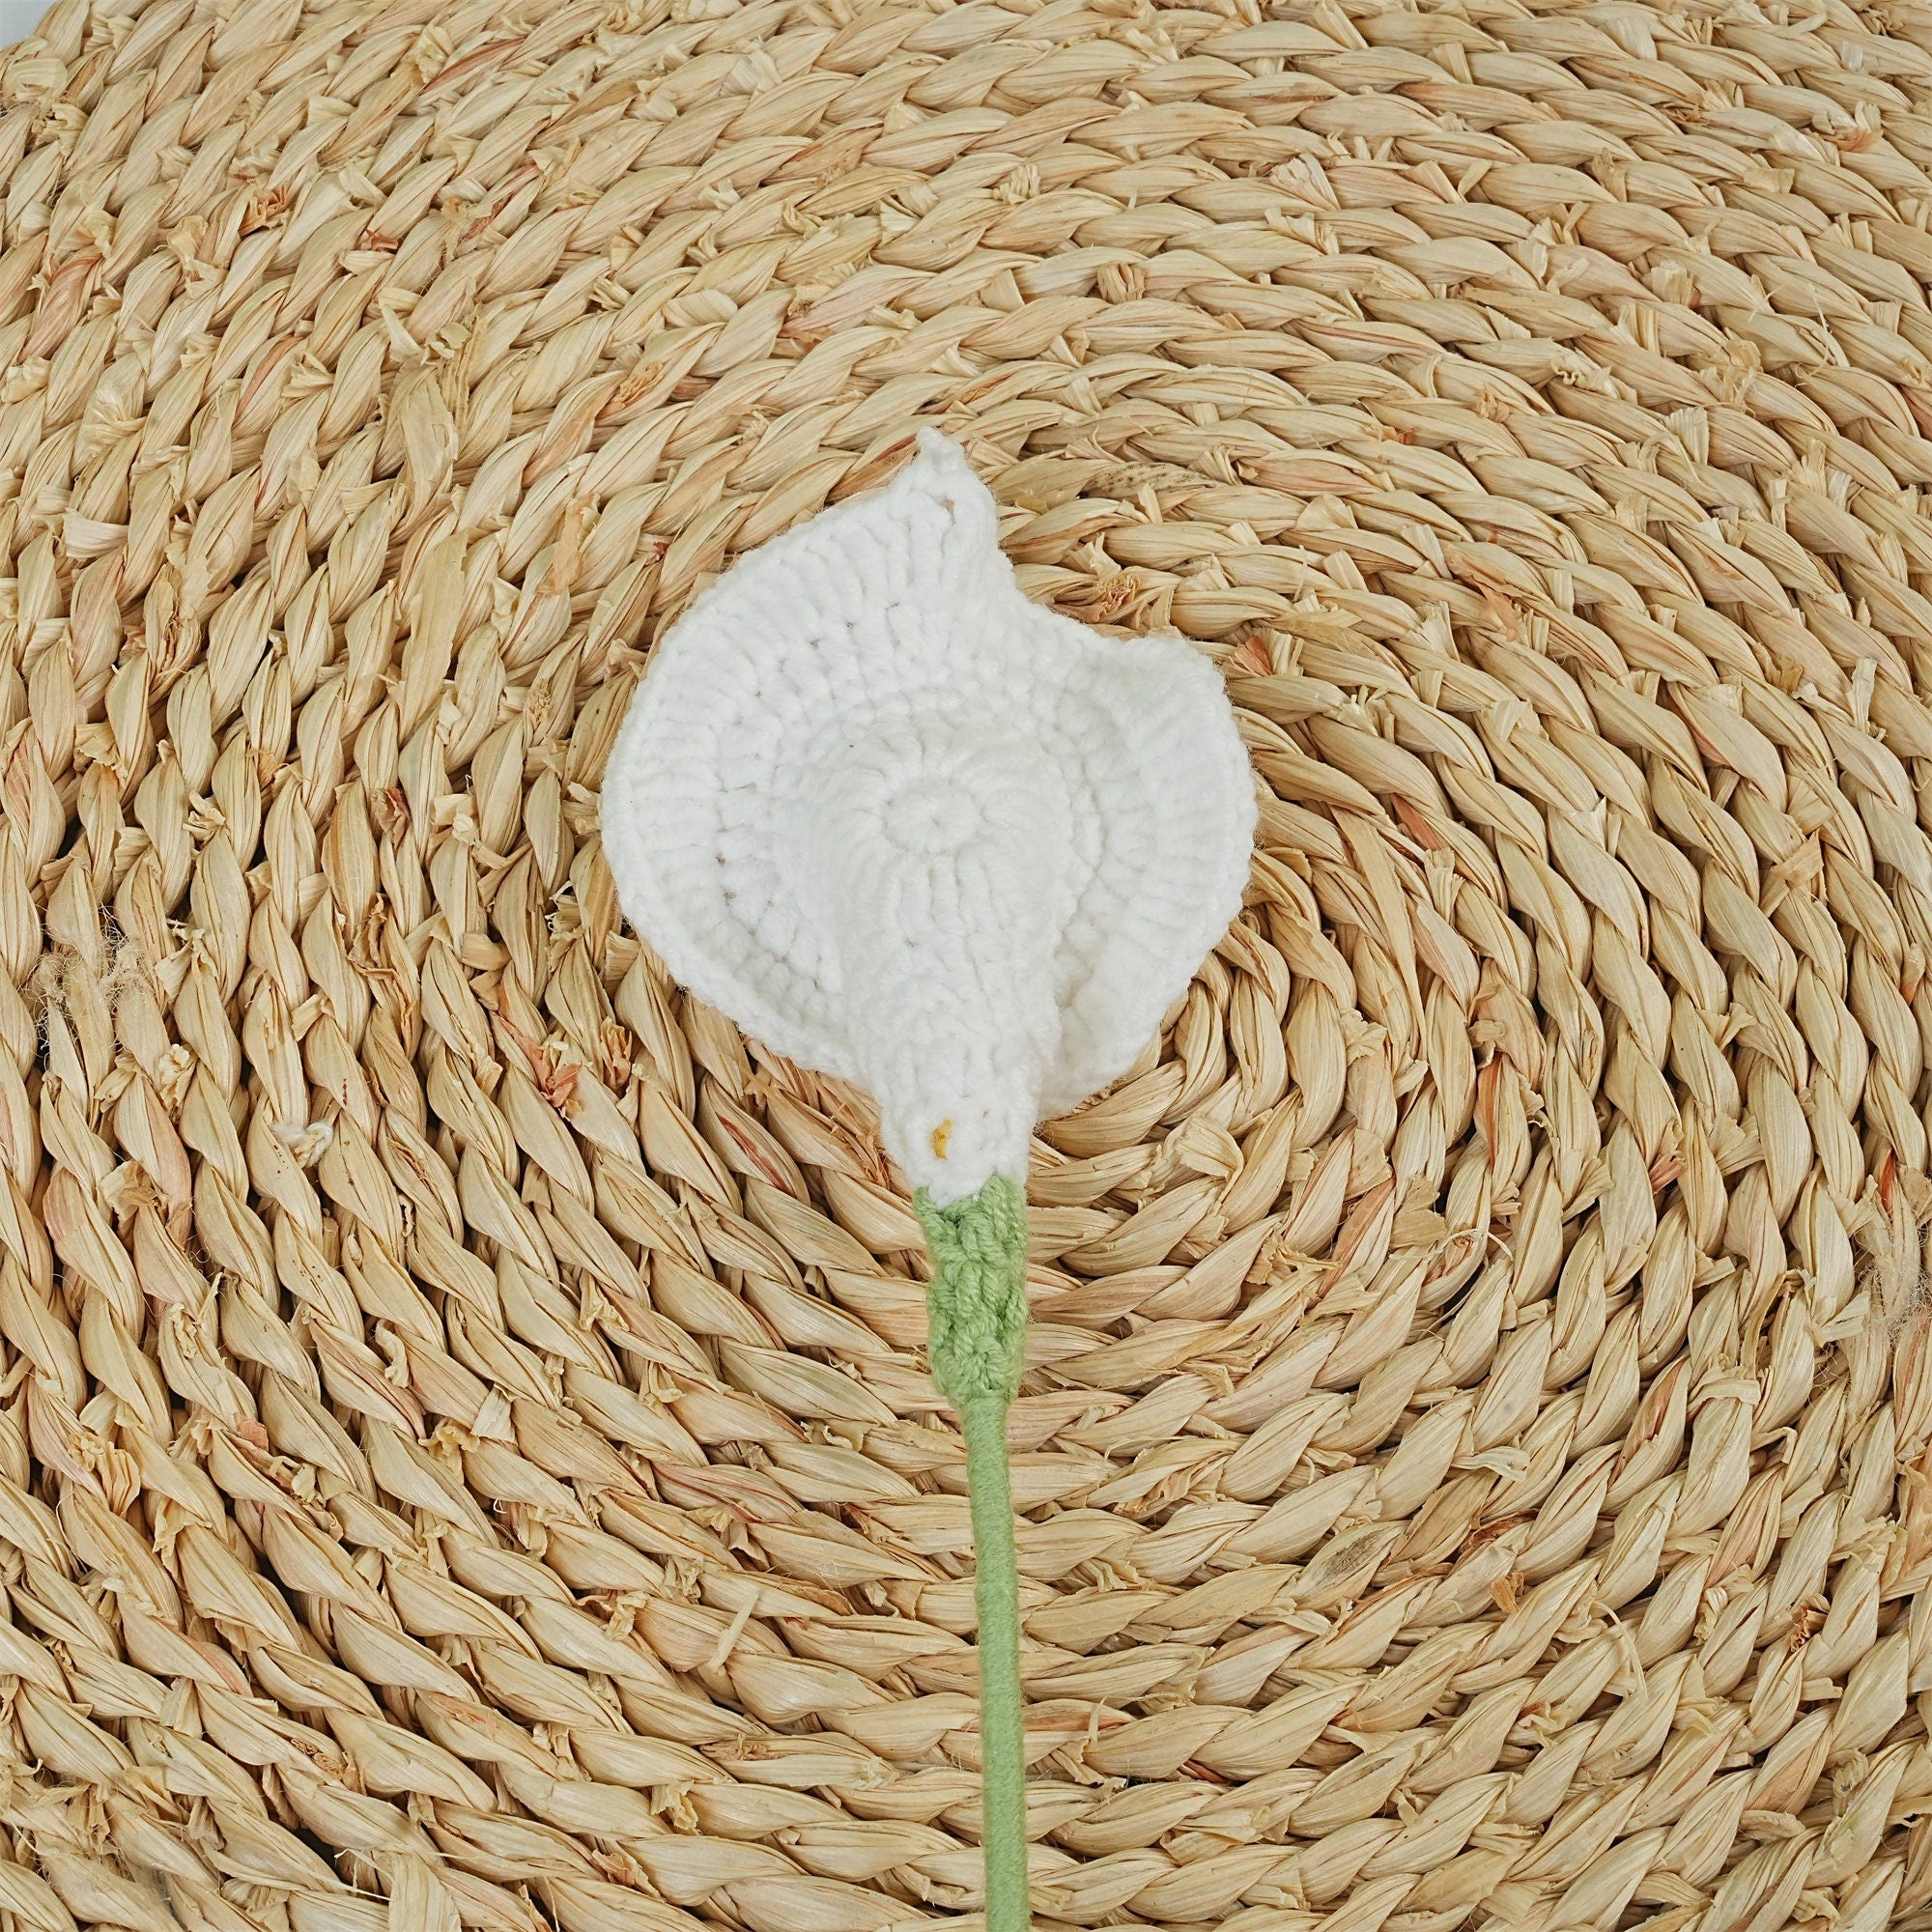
[[908, 827]]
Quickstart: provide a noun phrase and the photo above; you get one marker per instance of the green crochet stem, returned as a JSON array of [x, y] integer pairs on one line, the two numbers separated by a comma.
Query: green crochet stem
[[978, 1311]]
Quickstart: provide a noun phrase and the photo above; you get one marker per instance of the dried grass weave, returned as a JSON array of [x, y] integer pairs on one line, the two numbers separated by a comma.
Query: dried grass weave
[[466, 1454]]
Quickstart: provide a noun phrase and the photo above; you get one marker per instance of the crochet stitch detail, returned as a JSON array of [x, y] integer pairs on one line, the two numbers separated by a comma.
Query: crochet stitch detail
[[977, 1303]]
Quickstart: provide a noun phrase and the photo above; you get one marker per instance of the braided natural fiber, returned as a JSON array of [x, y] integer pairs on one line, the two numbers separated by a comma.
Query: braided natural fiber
[[466, 1455]]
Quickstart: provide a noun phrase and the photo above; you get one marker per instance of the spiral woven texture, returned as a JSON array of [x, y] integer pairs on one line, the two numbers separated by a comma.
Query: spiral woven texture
[[467, 1453]]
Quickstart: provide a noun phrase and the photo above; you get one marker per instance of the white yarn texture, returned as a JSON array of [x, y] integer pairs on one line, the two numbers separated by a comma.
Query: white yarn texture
[[910, 829]]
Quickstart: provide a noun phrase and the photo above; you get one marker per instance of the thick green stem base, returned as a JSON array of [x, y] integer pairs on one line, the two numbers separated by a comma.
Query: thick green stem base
[[977, 1308]]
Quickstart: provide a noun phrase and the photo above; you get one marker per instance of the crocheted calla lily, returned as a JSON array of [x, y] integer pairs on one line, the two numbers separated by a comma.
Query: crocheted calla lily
[[907, 827]]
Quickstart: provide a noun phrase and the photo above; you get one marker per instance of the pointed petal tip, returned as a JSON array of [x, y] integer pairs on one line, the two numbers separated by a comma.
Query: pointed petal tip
[[937, 448], [942, 464]]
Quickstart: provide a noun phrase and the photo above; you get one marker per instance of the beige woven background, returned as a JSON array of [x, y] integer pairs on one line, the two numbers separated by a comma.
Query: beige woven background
[[466, 1454]]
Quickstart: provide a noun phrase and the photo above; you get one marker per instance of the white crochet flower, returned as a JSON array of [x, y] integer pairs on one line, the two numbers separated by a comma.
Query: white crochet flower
[[910, 829]]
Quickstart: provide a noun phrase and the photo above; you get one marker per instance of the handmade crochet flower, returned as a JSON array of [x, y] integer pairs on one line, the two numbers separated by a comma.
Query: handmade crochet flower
[[907, 827]]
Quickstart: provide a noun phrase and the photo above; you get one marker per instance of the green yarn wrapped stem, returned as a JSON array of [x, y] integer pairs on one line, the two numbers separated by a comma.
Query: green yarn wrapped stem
[[976, 1305], [1002, 1722]]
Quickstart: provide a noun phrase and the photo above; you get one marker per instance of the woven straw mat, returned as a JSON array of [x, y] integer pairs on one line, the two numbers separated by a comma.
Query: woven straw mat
[[467, 1457]]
